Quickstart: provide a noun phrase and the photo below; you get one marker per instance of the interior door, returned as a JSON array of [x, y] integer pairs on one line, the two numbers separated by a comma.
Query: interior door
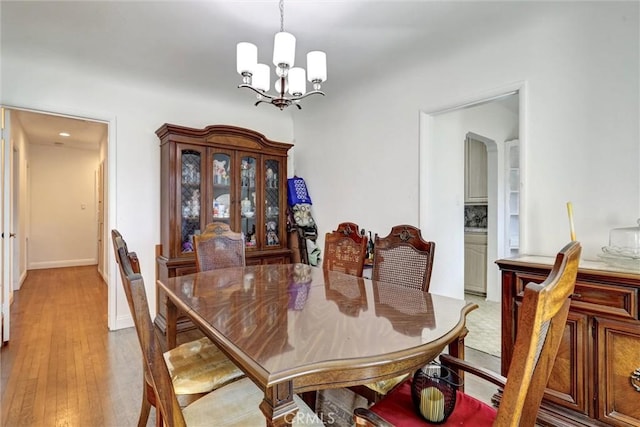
[[7, 209]]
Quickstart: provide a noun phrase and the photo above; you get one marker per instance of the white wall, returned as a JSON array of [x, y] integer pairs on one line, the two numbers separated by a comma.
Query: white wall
[[135, 110], [63, 225], [580, 136]]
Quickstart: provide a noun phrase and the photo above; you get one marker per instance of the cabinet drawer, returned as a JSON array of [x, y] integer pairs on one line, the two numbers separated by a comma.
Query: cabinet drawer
[[596, 298], [475, 238], [253, 261], [183, 271], [276, 260], [522, 279], [610, 300]]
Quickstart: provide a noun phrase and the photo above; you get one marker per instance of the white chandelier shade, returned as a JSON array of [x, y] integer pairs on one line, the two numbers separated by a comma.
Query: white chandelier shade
[[317, 66], [246, 57], [284, 50], [262, 79], [297, 81]]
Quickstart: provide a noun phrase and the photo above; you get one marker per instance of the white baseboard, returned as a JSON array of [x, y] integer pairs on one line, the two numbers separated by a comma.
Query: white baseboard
[[18, 284], [62, 263], [123, 322]]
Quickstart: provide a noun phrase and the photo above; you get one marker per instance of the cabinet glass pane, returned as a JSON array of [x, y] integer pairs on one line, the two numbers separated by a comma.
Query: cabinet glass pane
[[272, 202], [514, 179], [190, 198], [514, 232], [221, 187], [514, 157], [514, 202], [248, 199]]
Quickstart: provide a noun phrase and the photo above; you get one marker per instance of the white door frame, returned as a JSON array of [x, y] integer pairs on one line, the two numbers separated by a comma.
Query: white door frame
[[110, 183], [426, 137], [15, 220], [7, 223]]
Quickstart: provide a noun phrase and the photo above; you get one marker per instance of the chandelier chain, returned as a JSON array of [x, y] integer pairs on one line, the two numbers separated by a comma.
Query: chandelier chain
[[281, 16]]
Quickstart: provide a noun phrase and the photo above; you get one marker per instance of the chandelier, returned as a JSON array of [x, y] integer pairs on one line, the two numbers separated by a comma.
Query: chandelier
[[290, 79]]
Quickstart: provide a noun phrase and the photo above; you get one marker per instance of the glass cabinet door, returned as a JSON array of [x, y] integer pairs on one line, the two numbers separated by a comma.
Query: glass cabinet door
[[221, 176], [272, 203], [248, 190], [190, 197]]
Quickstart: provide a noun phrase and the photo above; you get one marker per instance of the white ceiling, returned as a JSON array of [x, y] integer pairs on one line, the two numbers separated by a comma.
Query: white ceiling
[[191, 45], [44, 129]]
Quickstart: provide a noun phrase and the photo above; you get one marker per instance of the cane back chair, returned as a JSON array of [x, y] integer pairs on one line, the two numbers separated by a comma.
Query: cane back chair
[[542, 322], [218, 247], [404, 258]]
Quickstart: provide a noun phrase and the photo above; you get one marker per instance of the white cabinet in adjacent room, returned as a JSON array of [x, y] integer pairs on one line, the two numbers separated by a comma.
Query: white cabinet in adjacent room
[[475, 177], [475, 263]]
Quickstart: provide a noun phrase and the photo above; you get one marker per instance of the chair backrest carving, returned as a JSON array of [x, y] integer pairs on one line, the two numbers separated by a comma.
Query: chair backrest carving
[[404, 258], [345, 249], [541, 327], [219, 247]]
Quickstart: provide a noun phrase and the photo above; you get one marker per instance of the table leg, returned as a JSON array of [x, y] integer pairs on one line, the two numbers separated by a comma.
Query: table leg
[[278, 406], [172, 320], [456, 349]]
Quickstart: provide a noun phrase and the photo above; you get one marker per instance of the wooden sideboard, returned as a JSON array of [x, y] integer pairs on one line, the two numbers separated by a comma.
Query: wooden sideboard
[[591, 383]]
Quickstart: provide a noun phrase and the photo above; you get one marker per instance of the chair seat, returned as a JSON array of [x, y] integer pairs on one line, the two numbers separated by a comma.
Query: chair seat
[[383, 387], [199, 367], [236, 404], [397, 408]]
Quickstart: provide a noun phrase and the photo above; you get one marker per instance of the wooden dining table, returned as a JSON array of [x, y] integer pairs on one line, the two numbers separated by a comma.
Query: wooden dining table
[[293, 328]]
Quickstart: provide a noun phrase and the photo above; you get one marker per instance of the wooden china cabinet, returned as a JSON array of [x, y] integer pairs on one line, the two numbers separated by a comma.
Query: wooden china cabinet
[[219, 173], [596, 376]]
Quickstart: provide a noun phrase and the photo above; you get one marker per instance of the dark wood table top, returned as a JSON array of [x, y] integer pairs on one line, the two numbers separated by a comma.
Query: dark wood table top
[[298, 328]]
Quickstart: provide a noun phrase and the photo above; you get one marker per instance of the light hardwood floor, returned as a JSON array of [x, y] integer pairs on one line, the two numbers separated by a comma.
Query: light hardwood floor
[[63, 367]]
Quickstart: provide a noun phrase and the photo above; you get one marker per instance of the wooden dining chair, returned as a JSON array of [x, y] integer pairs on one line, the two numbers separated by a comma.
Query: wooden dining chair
[[344, 252], [345, 249], [195, 367], [542, 324], [404, 258], [218, 247], [236, 403]]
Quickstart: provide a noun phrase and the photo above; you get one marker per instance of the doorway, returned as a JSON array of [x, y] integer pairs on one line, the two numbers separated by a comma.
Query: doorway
[[479, 206], [86, 211], [442, 136]]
